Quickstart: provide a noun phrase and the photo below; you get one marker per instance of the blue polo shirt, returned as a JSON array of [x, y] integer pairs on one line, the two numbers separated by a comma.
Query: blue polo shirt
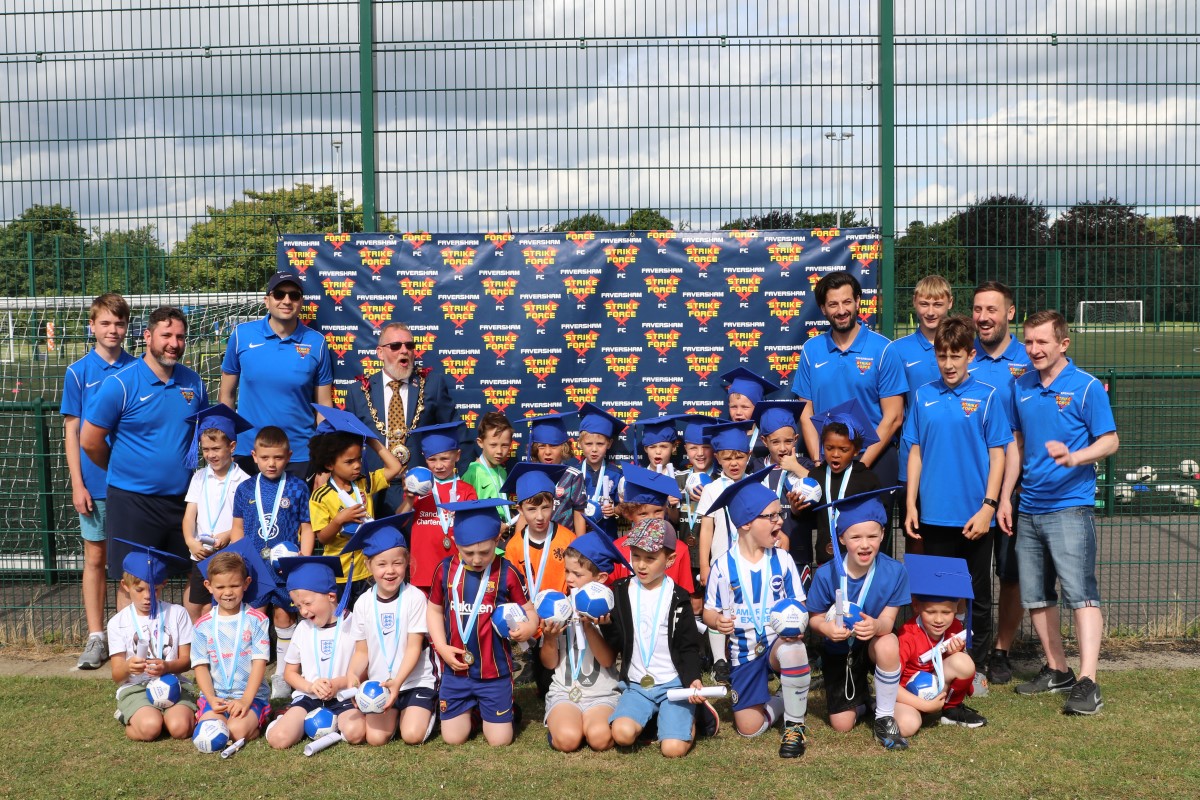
[[147, 423], [1074, 410], [80, 385], [954, 429], [919, 361], [889, 588], [868, 370], [1002, 371], [276, 380]]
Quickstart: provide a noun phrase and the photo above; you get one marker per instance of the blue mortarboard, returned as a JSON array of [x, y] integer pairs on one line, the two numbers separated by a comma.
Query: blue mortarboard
[[528, 478], [438, 438], [852, 415], [657, 430], [149, 564], [380, 535], [937, 578], [730, 435], [743, 381], [771, 415], [594, 419], [475, 521], [548, 428], [314, 573], [862, 507], [598, 548], [745, 499], [338, 421], [693, 432], [262, 577], [219, 417], [646, 486]]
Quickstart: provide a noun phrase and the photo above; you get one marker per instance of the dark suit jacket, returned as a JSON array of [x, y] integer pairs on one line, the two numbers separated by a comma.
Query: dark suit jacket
[[439, 409]]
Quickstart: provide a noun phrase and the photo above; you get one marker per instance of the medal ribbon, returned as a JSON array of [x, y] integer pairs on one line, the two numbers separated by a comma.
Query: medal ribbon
[[939, 671], [446, 518], [648, 654], [208, 511], [598, 493], [264, 530], [578, 644], [536, 585], [227, 673], [337, 630], [149, 639], [466, 631], [383, 648], [757, 606]]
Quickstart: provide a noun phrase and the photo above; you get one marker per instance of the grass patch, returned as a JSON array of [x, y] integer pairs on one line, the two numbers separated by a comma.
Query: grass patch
[[1142, 745]]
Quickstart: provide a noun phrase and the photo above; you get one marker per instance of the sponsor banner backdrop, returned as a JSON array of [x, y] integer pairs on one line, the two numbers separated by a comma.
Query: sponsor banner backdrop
[[641, 322]]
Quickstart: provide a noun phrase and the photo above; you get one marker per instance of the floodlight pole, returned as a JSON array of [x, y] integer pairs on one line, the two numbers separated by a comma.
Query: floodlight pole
[[839, 138], [337, 147]]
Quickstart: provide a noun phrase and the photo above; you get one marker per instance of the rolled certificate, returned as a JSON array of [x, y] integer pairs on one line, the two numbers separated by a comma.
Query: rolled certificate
[[684, 693], [927, 656], [228, 752], [325, 742]]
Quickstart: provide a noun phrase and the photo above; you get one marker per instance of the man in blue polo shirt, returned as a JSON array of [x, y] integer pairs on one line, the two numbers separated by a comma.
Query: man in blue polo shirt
[[933, 300], [109, 322], [851, 361], [1000, 359], [276, 367], [1063, 425], [956, 431], [143, 409]]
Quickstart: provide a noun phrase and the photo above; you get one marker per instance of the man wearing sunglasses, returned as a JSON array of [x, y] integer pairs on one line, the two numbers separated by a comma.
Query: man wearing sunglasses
[[399, 398], [273, 369]]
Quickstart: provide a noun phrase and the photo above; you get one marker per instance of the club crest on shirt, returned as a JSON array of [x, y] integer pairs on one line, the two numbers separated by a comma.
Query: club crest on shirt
[[326, 647], [247, 635], [969, 406], [863, 364], [285, 502], [776, 583], [188, 395], [303, 349], [1063, 400], [491, 587], [387, 621], [1016, 370]]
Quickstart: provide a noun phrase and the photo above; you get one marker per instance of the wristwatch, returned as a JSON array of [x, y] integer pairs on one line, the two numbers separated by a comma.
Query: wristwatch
[[987, 501]]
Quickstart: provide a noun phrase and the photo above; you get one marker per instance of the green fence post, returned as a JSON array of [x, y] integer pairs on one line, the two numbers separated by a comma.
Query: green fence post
[[125, 260], [1158, 317], [366, 110], [887, 163], [58, 266], [45, 492], [29, 255]]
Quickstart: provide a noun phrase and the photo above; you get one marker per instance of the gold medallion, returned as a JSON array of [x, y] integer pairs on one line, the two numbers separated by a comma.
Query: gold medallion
[[647, 682]]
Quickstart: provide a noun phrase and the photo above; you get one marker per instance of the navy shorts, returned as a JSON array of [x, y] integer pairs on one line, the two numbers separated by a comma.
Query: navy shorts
[[420, 697], [493, 697], [145, 519], [310, 704], [846, 680], [749, 681]]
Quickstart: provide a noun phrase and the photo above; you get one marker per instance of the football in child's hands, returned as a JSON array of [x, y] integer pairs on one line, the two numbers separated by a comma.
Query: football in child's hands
[[696, 480], [808, 489], [163, 692], [923, 685], [283, 550], [593, 600], [211, 736], [507, 617], [371, 698], [553, 606], [319, 722], [788, 618], [418, 481]]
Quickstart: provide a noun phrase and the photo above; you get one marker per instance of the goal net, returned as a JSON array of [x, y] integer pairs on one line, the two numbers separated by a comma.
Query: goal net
[[1110, 315]]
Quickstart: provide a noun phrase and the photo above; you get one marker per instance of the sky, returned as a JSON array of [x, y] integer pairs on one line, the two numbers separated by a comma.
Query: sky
[[516, 115]]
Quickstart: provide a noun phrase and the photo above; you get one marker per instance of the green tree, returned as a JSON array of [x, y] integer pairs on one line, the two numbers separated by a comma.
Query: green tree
[[788, 220], [585, 222], [647, 219], [1006, 237], [127, 261], [1108, 252], [929, 250], [47, 239], [234, 249]]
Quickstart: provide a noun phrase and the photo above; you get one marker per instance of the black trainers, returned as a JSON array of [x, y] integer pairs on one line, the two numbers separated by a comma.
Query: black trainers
[[1084, 699], [1048, 680], [887, 733], [963, 715], [794, 740], [721, 671], [999, 668]]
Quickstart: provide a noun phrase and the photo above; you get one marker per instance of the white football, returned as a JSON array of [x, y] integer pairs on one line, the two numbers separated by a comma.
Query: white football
[[319, 722], [418, 481], [283, 550], [923, 685], [1189, 468], [553, 606], [163, 692], [594, 600], [211, 736], [788, 618], [696, 480], [1146, 473], [371, 698], [808, 489], [1186, 494], [507, 617], [1123, 493]]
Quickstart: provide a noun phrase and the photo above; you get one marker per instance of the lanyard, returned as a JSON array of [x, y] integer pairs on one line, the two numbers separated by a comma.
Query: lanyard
[[383, 648], [348, 500], [227, 672], [536, 585], [689, 507], [648, 654], [831, 511], [465, 631], [495, 483], [337, 630], [208, 509], [757, 606], [598, 493], [149, 639], [264, 530], [938, 669], [577, 643], [753, 439], [446, 518], [866, 586]]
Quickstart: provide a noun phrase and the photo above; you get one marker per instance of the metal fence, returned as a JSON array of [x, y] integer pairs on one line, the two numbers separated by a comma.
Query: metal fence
[[154, 150]]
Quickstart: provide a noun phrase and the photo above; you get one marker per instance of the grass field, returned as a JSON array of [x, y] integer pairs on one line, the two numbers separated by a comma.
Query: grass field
[[1143, 745]]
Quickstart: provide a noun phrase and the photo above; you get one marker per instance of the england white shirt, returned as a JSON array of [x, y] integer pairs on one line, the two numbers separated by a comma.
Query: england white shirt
[[385, 626], [322, 652]]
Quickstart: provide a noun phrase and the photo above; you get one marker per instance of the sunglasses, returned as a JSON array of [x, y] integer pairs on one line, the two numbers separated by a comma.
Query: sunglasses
[[293, 295], [394, 346]]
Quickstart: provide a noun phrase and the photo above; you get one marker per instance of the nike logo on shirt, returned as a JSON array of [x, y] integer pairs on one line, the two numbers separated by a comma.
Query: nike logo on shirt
[[912, 363], [93, 383], [147, 397], [818, 366], [256, 344], [928, 403], [1029, 397]]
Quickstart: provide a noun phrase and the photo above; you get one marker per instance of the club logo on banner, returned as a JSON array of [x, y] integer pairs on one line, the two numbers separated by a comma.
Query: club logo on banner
[[639, 322]]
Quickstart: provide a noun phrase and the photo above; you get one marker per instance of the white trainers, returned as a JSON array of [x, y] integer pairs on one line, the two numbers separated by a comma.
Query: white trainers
[[94, 652], [280, 690]]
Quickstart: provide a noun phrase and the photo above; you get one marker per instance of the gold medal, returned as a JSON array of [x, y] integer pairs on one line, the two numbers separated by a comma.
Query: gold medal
[[445, 542], [647, 682], [759, 649], [468, 657], [402, 454], [575, 695]]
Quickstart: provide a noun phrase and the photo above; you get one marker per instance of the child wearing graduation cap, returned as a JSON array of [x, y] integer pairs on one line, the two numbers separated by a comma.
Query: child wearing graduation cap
[[550, 444], [844, 432], [320, 651], [232, 642], [648, 495], [745, 391], [780, 431], [467, 587], [701, 470], [390, 631], [935, 642], [743, 587], [583, 691], [597, 431], [432, 531], [147, 639], [853, 603], [208, 516], [347, 499]]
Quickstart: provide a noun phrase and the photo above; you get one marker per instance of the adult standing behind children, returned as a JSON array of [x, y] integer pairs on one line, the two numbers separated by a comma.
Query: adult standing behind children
[[1063, 425], [144, 410], [273, 369], [89, 484]]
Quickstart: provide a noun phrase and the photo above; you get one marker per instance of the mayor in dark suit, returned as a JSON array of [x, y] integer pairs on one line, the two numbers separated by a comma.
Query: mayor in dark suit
[[399, 398]]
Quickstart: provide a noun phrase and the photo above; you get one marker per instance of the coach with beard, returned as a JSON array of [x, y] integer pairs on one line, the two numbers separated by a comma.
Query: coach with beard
[[399, 398], [145, 409]]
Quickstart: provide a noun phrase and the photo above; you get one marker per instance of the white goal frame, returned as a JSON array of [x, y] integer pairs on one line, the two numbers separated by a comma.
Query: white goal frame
[[1121, 326]]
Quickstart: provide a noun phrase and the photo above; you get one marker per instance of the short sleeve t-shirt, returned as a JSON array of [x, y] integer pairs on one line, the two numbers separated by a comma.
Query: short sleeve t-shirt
[[868, 371], [322, 652], [326, 503], [889, 588], [554, 574], [771, 579], [229, 645], [386, 625], [80, 385], [455, 589], [293, 511], [163, 636], [914, 643], [213, 497]]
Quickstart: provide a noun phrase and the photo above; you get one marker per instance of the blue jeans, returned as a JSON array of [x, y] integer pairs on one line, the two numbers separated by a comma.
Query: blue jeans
[[1060, 545]]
